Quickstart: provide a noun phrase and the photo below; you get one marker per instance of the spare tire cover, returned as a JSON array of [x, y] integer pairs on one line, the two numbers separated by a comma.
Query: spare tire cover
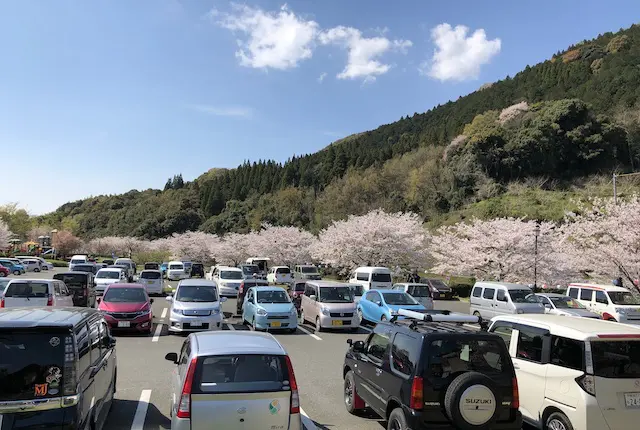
[[471, 401]]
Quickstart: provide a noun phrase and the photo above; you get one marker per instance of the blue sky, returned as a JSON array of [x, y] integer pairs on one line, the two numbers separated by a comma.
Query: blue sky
[[104, 96]]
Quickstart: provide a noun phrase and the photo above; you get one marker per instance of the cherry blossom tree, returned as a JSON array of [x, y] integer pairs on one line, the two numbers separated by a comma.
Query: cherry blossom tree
[[195, 245], [603, 238], [5, 235], [284, 245], [66, 243], [377, 238], [501, 249], [235, 248]]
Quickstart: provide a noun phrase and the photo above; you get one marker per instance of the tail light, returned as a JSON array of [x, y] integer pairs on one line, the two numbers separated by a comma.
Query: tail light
[[241, 287], [184, 407], [416, 393], [49, 300], [587, 383], [70, 372], [2, 302], [515, 396], [295, 398]]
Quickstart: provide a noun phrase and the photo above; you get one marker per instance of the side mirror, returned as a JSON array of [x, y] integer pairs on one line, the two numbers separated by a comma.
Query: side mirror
[[151, 301], [313, 297], [358, 346], [503, 299], [172, 357], [109, 342], [98, 299], [379, 304], [223, 299], [547, 305], [169, 298]]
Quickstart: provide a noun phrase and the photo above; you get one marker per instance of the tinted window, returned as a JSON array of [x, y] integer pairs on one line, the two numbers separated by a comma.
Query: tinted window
[[529, 345], [273, 297], [71, 280], [230, 274], [78, 261], [477, 292], [488, 293], [501, 296], [420, 291], [380, 277], [241, 373], [308, 269], [567, 353], [585, 294], [437, 283], [26, 361], [399, 298], [573, 293], [176, 267], [193, 293], [601, 297], [449, 356], [84, 348], [250, 269], [360, 276], [405, 352], [616, 359], [372, 296], [299, 288], [377, 345], [125, 295], [152, 266], [504, 332], [336, 295], [623, 298], [358, 289], [283, 270], [523, 296], [150, 275], [108, 274], [27, 289]]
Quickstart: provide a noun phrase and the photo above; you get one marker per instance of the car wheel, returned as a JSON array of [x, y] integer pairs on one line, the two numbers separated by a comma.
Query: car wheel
[[17, 272], [361, 317], [292, 330], [36, 270], [301, 319], [318, 325], [253, 324], [477, 314], [397, 420], [352, 401], [2, 275], [468, 386], [558, 421], [383, 318]]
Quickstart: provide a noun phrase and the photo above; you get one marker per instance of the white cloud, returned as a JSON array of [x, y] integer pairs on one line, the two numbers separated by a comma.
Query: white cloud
[[457, 56], [277, 40], [364, 52], [233, 111], [322, 76]]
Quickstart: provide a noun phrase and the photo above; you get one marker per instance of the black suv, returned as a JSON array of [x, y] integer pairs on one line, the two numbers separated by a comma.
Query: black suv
[[197, 270], [431, 371]]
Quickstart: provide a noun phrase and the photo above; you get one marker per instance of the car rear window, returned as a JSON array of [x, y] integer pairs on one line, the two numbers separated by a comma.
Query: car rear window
[[299, 287], [108, 274], [380, 277], [449, 356], [241, 373], [230, 274], [176, 267], [71, 280], [27, 289], [437, 283], [151, 266], [420, 291], [283, 270], [78, 261], [308, 269], [616, 359], [150, 275], [31, 365]]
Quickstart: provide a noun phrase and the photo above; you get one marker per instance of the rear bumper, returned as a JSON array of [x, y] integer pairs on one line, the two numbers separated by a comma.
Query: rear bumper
[[264, 323], [141, 324], [295, 423], [420, 420], [228, 291], [182, 324]]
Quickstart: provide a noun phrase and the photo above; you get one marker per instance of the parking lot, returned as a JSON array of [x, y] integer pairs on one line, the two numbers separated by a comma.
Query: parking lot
[[142, 398]]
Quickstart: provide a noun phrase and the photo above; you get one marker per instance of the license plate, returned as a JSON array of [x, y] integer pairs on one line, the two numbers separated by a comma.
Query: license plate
[[149, 282], [196, 324], [124, 324], [632, 400], [275, 324], [336, 322]]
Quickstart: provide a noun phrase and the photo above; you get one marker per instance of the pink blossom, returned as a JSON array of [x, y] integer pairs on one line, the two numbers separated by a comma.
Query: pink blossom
[[5, 235]]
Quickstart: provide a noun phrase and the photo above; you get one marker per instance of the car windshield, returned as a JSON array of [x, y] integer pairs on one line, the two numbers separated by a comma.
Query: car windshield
[[616, 359], [27, 289], [523, 296], [250, 269], [309, 269], [125, 295], [566, 303], [240, 373], [438, 284], [399, 298], [107, 274], [272, 297], [176, 267], [30, 361], [196, 293], [150, 275], [380, 277], [451, 356], [421, 291], [623, 298], [336, 295], [71, 279], [231, 274], [358, 290]]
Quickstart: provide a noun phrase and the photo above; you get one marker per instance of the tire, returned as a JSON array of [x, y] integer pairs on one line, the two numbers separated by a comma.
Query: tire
[[352, 401], [361, 317], [558, 421], [36, 270], [397, 420], [477, 314], [383, 318], [2, 275], [318, 326], [301, 319], [472, 386], [17, 272], [292, 330], [253, 324]]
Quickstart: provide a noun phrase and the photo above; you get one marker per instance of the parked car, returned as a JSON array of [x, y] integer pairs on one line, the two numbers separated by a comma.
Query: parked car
[[131, 267], [421, 292], [4, 271], [613, 303], [296, 291], [82, 287], [152, 280], [382, 305], [428, 371], [439, 289], [36, 293], [3, 284], [250, 270], [44, 264], [197, 270], [263, 265], [279, 275], [30, 264], [176, 271], [88, 268], [108, 261], [220, 375], [489, 299], [195, 305], [306, 271], [228, 280], [16, 269], [329, 304], [244, 287], [577, 373], [63, 389], [163, 268], [108, 276], [77, 259], [372, 277], [127, 307], [559, 304], [358, 292], [151, 266], [187, 266], [267, 308]]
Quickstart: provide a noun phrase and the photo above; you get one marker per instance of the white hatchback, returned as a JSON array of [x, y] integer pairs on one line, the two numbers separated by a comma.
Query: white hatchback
[[152, 281], [36, 293], [579, 373], [279, 275]]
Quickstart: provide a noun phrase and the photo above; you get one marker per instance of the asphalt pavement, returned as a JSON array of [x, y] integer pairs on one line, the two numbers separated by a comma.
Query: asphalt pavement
[[142, 397]]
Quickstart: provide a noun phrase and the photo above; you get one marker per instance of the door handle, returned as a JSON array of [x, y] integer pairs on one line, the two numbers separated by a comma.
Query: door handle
[[378, 372]]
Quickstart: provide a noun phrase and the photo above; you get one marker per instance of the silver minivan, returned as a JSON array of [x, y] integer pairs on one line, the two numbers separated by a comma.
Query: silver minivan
[[329, 304], [233, 380], [489, 299]]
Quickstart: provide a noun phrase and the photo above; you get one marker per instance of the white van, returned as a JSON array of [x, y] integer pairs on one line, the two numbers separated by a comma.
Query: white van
[[613, 303], [262, 263], [152, 281], [77, 259], [129, 263], [372, 278], [577, 373], [279, 275], [489, 299], [176, 271]]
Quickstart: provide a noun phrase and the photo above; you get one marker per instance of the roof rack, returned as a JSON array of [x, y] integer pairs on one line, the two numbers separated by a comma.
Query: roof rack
[[436, 316]]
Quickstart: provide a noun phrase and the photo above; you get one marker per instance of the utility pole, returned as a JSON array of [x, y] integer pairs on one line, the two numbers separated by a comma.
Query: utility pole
[[536, 231], [615, 190]]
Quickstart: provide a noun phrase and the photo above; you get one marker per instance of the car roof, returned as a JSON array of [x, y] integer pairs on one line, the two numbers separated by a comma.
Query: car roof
[[197, 283], [236, 342], [372, 269], [323, 284], [74, 272], [110, 269], [412, 284], [507, 285], [268, 288], [552, 295], [228, 268], [599, 287], [575, 328], [176, 262], [127, 285], [150, 270], [35, 279], [27, 317]]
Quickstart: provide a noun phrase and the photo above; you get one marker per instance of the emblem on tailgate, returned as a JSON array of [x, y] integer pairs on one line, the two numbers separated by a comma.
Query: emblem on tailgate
[[242, 411], [274, 407]]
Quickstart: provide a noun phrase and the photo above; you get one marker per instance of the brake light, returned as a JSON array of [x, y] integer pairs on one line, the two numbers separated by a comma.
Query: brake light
[[295, 398], [49, 300], [587, 383], [2, 302], [241, 287], [416, 393], [515, 396], [70, 373], [184, 407]]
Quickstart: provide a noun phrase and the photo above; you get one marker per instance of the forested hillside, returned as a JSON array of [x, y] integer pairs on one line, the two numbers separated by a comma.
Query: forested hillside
[[567, 118]]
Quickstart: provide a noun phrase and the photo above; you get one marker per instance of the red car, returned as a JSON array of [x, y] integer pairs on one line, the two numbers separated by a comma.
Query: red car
[[127, 307], [4, 271]]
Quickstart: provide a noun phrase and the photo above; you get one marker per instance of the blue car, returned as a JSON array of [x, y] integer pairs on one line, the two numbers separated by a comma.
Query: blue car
[[163, 269], [16, 269], [268, 308], [381, 305]]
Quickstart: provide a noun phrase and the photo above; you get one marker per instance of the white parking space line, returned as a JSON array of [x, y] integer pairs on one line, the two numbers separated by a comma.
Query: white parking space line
[[164, 313], [231, 327], [156, 335], [366, 328], [141, 410], [307, 422], [304, 330]]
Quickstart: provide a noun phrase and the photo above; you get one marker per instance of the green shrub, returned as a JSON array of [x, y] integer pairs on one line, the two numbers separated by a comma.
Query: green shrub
[[58, 263], [461, 290]]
